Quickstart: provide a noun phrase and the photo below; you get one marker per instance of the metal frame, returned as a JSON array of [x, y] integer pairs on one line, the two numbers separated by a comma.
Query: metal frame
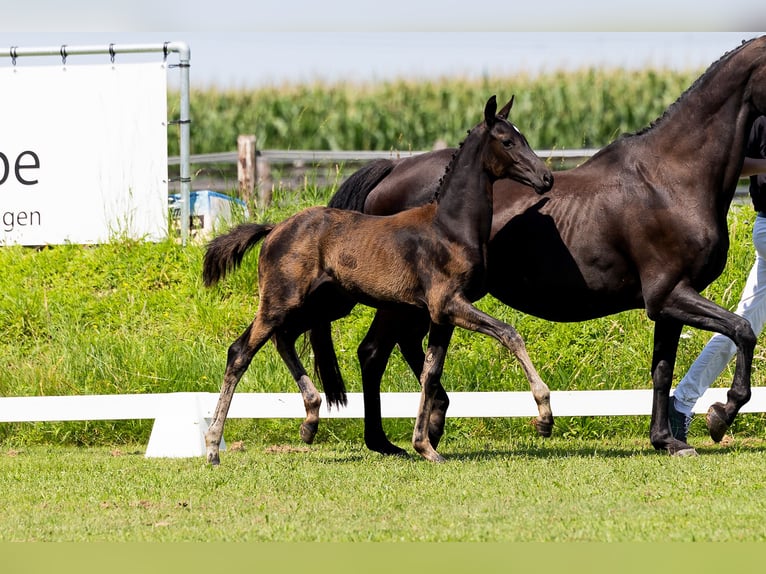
[[112, 50]]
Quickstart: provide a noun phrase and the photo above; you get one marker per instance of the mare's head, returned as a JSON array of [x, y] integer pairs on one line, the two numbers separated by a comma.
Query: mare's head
[[509, 154]]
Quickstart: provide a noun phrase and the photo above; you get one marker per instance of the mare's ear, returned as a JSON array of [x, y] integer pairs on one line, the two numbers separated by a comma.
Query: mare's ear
[[489, 111], [506, 109]]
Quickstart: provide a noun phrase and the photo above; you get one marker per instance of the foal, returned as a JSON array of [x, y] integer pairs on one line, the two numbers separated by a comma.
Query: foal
[[431, 257]]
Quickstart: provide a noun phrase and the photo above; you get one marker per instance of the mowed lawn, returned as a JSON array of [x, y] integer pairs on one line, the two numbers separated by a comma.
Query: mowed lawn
[[523, 489]]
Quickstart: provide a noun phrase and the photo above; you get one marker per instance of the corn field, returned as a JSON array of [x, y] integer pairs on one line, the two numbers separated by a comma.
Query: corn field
[[559, 110]]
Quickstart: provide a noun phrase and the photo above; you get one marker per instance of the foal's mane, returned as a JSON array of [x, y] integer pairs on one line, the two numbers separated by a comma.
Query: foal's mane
[[710, 70], [448, 169]]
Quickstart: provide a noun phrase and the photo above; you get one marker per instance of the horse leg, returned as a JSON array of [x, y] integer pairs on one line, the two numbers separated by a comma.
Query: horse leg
[[666, 336], [433, 365], [240, 354], [389, 328], [719, 417], [373, 354], [285, 344], [463, 314], [410, 342], [686, 306]]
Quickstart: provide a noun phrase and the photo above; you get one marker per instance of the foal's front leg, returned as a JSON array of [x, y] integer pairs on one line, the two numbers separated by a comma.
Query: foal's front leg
[[465, 315], [438, 341]]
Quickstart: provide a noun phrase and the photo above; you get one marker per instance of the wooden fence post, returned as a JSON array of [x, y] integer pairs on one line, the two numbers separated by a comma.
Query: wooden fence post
[[246, 166], [263, 181]]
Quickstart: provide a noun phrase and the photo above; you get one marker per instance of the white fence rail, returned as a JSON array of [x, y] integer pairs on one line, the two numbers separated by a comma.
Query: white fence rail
[[181, 419]]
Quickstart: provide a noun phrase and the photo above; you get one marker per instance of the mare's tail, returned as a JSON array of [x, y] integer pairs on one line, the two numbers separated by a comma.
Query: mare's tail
[[225, 252], [354, 191], [326, 368], [350, 196]]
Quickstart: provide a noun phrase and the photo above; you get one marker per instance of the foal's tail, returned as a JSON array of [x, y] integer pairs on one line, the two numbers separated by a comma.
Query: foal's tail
[[225, 252]]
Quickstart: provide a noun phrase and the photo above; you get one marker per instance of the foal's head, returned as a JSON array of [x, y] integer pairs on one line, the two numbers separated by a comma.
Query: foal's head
[[509, 154]]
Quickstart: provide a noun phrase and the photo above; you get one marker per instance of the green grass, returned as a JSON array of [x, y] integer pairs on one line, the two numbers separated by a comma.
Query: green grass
[[516, 489], [133, 317]]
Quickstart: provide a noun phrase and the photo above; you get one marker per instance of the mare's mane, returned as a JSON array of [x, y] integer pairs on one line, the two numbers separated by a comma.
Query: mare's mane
[[710, 70]]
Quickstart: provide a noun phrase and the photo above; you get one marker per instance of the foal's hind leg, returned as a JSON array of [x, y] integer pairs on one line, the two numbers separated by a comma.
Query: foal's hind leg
[[241, 352], [465, 315], [285, 343]]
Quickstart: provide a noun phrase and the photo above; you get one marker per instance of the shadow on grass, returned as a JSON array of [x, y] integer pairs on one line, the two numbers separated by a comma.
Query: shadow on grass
[[562, 448]]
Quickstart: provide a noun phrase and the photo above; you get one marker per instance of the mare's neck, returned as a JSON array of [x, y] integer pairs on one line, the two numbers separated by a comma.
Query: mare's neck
[[705, 132]]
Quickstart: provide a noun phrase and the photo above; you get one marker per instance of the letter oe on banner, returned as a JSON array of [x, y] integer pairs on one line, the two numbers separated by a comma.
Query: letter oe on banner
[[83, 153]]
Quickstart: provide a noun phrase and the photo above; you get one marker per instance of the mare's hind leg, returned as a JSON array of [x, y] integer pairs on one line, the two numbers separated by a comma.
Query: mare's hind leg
[[240, 354], [285, 344], [465, 315]]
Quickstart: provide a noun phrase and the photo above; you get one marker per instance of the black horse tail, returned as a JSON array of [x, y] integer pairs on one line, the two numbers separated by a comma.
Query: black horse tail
[[353, 192], [326, 368], [350, 196], [225, 252]]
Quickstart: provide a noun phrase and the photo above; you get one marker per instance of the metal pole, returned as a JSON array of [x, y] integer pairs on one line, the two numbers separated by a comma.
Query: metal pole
[[184, 57]]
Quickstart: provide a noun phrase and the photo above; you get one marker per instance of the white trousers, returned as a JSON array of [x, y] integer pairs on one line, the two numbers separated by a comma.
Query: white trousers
[[720, 349]]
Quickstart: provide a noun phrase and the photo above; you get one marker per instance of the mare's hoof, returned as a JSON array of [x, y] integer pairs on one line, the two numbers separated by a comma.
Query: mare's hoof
[[679, 448], [388, 449], [543, 429], [689, 451], [308, 431], [716, 423]]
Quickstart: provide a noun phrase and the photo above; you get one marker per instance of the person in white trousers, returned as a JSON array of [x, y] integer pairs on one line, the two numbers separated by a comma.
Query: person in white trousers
[[752, 304]]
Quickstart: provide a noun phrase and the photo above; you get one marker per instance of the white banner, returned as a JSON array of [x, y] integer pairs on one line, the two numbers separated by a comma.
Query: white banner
[[83, 153]]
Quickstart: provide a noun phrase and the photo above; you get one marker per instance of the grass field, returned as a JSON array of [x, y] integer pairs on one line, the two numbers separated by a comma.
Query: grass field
[[518, 489]]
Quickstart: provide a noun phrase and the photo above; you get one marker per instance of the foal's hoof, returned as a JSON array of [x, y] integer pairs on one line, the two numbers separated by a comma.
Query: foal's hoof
[[308, 431], [544, 429], [716, 423], [213, 458], [428, 453]]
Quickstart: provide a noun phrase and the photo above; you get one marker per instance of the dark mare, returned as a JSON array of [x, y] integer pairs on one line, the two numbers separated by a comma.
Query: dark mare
[[432, 257], [642, 224]]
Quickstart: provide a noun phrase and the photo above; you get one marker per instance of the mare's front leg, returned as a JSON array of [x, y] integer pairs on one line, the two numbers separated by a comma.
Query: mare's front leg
[[240, 354], [389, 328], [465, 315], [373, 353], [312, 400], [438, 341], [666, 336], [689, 307]]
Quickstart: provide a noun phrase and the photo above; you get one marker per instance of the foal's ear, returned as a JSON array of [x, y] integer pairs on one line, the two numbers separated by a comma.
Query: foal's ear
[[506, 109], [489, 111]]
